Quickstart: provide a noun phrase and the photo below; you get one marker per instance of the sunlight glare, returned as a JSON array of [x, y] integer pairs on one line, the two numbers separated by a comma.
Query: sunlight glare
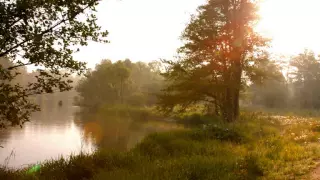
[[292, 24]]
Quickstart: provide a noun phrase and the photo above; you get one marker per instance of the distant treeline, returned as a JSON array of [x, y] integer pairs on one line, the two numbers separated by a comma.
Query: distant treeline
[[294, 84], [122, 82]]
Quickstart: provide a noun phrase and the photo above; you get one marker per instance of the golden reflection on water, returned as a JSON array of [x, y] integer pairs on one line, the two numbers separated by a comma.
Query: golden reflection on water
[[58, 131], [49, 135], [122, 134]]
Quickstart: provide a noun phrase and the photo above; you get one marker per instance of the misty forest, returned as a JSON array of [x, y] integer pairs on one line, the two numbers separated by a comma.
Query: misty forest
[[224, 106]]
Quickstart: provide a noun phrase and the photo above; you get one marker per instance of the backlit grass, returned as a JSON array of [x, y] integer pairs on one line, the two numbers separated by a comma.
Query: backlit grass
[[255, 147]]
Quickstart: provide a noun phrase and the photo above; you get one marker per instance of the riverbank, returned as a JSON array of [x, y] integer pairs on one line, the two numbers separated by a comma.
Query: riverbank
[[256, 147]]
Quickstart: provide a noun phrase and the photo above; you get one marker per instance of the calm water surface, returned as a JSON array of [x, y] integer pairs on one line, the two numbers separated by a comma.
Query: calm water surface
[[52, 133]]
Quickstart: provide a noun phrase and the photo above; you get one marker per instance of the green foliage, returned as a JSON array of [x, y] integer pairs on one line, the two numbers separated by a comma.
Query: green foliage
[[106, 84], [44, 34], [122, 82], [220, 47]]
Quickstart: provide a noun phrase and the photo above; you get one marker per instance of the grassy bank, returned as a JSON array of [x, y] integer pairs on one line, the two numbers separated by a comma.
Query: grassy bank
[[285, 111], [121, 127], [256, 147]]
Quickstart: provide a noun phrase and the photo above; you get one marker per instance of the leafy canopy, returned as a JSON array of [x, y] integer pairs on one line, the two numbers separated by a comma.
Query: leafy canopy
[[42, 33], [220, 51]]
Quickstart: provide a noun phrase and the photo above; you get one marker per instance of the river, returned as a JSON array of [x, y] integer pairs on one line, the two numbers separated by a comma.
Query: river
[[57, 131], [50, 134]]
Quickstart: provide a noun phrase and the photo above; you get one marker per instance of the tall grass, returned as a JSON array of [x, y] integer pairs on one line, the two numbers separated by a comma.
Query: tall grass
[[255, 147]]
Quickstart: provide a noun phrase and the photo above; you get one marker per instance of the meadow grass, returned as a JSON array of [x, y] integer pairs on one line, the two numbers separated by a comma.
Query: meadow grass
[[255, 147]]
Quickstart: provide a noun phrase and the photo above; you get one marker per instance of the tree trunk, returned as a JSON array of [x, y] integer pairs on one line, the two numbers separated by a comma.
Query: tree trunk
[[231, 109], [236, 107], [237, 86], [228, 106]]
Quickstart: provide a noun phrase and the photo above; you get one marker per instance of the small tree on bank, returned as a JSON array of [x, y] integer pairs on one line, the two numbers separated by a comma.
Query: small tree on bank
[[220, 51]]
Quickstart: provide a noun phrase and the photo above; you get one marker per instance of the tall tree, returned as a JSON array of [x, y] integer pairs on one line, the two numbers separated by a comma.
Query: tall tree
[[220, 45], [42, 33]]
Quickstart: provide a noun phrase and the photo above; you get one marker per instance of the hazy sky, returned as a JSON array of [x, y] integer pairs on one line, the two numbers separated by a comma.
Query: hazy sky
[[292, 24], [141, 30], [147, 30]]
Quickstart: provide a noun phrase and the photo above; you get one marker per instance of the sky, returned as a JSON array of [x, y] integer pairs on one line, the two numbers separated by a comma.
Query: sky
[[146, 30], [141, 30], [293, 25]]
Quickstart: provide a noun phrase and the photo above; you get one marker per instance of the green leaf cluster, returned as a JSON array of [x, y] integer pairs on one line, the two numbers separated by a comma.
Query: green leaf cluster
[[45, 34]]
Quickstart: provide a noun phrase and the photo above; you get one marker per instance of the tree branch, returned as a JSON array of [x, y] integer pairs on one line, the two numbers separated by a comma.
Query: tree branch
[[20, 65], [14, 22], [44, 32], [11, 25]]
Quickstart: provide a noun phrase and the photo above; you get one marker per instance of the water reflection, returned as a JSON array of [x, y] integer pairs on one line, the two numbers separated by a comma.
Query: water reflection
[[51, 133], [59, 130], [118, 132]]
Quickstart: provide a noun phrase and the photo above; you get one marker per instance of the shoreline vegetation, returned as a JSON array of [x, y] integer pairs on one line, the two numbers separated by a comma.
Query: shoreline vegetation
[[257, 146]]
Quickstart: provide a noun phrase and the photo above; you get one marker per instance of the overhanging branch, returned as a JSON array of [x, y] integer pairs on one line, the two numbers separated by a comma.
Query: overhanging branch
[[46, 31]]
